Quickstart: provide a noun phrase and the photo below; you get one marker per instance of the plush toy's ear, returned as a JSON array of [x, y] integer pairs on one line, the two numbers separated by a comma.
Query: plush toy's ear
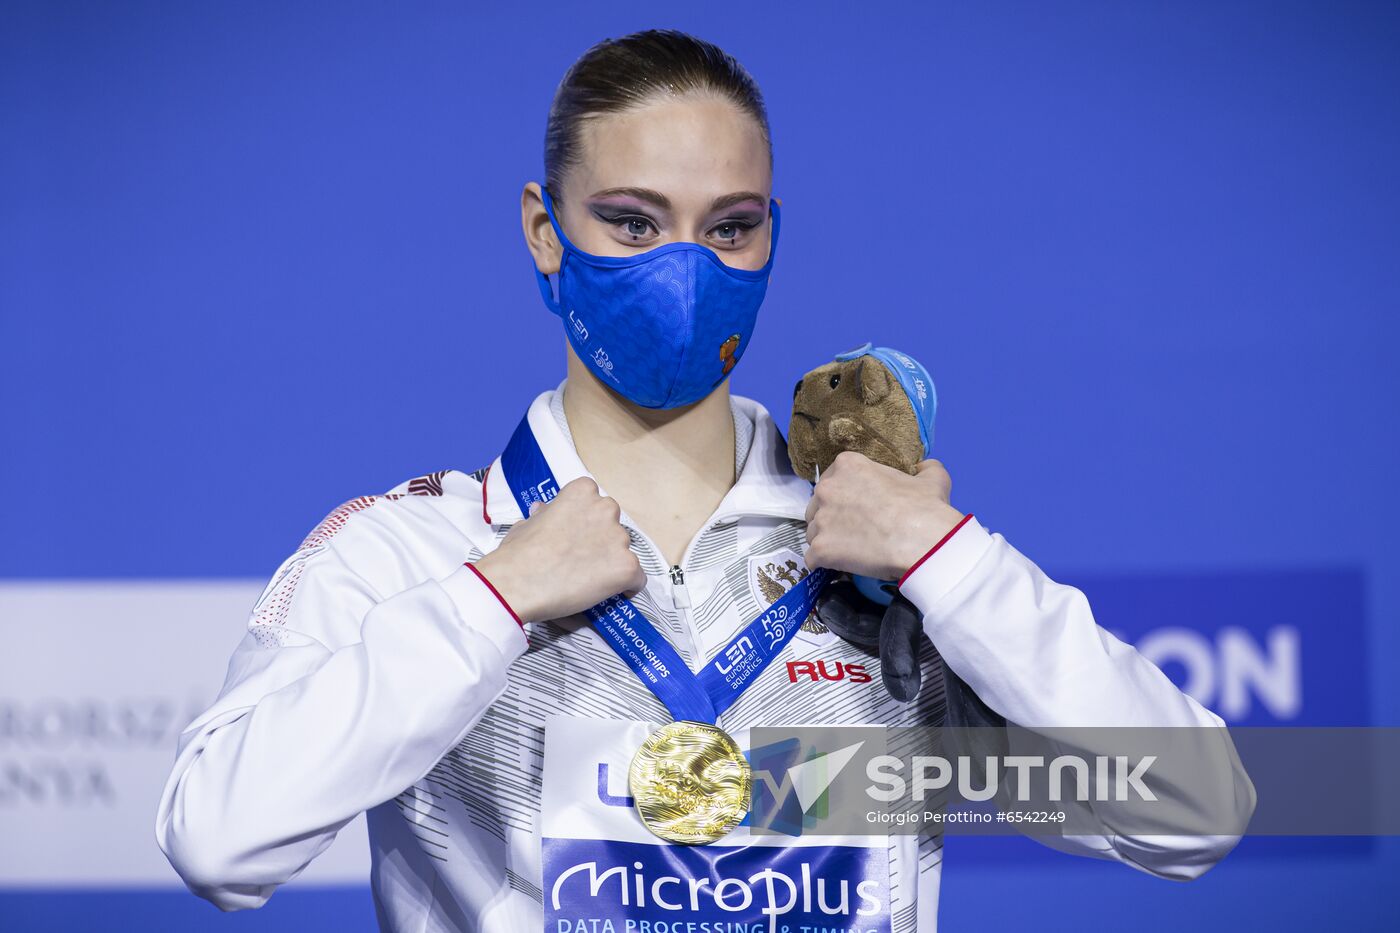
[[874, 380]]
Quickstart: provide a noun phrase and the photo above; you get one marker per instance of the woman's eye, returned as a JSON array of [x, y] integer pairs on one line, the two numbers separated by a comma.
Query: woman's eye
[[730, 233], [632, 226]]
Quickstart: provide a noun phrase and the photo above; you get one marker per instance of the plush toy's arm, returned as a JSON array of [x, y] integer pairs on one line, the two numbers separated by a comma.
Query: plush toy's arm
[[1030, 648]]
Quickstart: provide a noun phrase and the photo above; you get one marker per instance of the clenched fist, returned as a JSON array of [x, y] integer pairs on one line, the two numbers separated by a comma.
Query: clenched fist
[[869, 519], [571, 553]]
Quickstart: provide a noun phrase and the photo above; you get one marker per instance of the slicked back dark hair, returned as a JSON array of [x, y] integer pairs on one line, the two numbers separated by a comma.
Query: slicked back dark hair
[[619, 74]]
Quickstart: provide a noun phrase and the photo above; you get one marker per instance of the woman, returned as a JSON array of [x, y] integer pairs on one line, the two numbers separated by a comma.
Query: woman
[[387, 668]]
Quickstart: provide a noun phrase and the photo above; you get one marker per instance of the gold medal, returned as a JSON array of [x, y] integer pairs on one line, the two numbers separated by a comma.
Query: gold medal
[[690, 782]]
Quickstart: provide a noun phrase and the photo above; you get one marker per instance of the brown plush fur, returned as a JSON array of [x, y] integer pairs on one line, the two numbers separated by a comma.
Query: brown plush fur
[[853, 405]]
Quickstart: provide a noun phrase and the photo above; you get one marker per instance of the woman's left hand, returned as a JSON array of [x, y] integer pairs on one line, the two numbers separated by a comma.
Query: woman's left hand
[[869, 519]]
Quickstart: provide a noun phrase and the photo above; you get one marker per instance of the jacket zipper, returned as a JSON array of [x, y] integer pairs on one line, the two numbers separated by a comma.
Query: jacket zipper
[[679, 594]]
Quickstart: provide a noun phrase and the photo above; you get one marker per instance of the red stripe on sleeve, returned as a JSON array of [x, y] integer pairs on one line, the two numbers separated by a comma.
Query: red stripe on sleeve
[[941, 541], [494, 592]]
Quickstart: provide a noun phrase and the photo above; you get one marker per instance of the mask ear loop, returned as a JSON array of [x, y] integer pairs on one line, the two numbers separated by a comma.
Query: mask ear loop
[[547, 290], [775, 214]]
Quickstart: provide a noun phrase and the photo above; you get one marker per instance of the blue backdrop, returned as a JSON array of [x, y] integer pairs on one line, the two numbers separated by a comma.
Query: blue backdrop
[[258, 259]]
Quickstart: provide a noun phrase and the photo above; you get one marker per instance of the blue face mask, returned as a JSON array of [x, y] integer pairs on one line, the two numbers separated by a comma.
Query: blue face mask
[[662, 328]]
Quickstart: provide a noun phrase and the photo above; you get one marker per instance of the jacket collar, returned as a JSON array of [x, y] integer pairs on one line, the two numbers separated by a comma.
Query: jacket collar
[[766, 486]]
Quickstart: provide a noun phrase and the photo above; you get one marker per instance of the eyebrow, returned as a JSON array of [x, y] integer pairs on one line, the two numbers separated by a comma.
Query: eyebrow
[[663, 202]]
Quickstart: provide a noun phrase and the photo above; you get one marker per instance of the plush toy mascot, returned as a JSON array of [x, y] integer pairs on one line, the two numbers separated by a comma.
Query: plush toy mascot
[[881, 403]]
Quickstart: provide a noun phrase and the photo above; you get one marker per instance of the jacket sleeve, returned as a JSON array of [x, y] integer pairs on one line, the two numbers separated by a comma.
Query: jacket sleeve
[[1030, 649], [337, 698]]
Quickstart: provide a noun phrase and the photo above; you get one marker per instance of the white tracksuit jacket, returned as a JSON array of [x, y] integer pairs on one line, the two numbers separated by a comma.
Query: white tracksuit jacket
[[379, 674]]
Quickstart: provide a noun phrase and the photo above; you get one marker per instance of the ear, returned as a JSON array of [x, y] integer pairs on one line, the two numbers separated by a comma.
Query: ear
[[539, 233], [873, 380]]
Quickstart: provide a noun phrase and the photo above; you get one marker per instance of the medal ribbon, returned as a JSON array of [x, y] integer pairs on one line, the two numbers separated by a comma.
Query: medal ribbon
[[699, 697]]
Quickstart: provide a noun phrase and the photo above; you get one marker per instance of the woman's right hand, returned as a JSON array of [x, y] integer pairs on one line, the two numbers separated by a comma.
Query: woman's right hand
[[570, 554]]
